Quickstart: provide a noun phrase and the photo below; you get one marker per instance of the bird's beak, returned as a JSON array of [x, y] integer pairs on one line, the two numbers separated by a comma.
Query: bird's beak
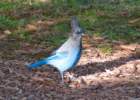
[[83, 34]]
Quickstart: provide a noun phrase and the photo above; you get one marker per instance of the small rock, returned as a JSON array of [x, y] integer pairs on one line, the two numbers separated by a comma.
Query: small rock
[[31, 28], [7, 32], [130, 68]]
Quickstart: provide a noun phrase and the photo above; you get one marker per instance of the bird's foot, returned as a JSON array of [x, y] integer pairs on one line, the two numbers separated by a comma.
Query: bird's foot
[[70, 77]]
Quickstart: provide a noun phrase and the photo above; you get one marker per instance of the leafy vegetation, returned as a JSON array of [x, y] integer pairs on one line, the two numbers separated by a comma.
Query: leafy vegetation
[[114, 19], [105, 48]]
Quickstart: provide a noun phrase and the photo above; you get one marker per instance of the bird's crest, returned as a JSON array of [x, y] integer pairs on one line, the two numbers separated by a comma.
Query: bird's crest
[[74, 23]]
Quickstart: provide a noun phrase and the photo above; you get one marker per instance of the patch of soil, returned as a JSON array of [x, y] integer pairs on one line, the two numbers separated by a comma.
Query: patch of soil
[[97, 77]]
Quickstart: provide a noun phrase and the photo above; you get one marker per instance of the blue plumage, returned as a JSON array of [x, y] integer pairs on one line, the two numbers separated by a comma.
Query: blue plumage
[[68, 54]]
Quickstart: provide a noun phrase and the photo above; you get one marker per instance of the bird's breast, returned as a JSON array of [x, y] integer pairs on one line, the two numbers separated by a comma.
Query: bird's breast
[[68, 61]]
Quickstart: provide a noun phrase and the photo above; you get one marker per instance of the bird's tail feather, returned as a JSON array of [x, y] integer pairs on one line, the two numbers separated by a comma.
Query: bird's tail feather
[[36, 64]]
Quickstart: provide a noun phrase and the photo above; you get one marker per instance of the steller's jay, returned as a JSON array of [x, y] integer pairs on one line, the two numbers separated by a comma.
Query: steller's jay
[[68, 54]]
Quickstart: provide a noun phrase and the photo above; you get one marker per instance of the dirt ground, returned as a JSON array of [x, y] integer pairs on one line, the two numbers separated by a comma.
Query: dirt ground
[[97, 76]]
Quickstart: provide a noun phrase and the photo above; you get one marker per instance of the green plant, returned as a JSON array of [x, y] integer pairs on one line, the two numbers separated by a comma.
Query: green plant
[[7, 23], [105, 48]]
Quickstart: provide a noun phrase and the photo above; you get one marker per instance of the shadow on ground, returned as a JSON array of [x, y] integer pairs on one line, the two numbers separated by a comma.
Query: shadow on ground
[[95, 67]]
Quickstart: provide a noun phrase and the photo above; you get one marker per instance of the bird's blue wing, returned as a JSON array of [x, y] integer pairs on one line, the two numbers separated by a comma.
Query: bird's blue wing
[[55, 56], [58, 55]]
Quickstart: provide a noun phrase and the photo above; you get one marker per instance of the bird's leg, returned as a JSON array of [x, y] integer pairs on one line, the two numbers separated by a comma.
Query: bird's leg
[[70, 76], [62, 77]]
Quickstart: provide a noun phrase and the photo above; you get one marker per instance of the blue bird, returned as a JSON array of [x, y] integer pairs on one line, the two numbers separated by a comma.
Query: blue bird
[[68, 54]]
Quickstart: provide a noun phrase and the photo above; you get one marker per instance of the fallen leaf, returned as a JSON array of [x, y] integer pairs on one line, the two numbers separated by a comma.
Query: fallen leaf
[[31, 28]]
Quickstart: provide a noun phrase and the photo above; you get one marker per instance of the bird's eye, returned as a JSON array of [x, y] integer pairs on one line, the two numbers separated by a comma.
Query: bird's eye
[[78, 31]]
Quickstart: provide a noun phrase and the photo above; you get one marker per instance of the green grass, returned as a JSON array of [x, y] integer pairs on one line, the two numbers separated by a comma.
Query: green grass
[[61, 27], [105, 48], [109, 18], [56, 40], [7, 23], [6, 6]]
